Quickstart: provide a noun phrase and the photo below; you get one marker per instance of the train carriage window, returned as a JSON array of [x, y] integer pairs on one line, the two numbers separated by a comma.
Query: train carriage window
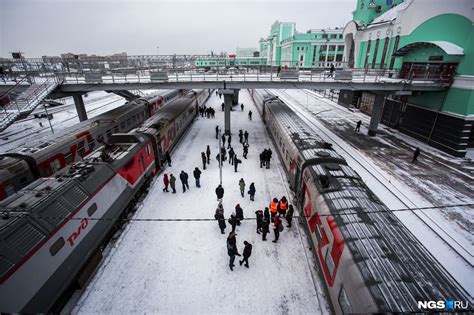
[[92, 209], [69, 158], [56, 166], [56, 247], [329, 262], [344, 302]]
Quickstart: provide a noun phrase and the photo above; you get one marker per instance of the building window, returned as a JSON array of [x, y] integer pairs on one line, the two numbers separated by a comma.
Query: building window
[[376, 48], [367, 53], [395, 48], [339, 58], [384, 52], [332, 47], [333, 35], [322, 57], [325, 35], [330, 58], [340, 47], [323, 48], [314, 54], [340, 36]]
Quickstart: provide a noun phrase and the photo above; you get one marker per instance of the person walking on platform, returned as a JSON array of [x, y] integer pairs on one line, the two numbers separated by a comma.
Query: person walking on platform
[[223, 106], [416, 154], [239, 214], [265, 228], [250, 115], [246, 150], [231, 156], [266, 214], [223, 141], [166, 181], [208, 154], [277, 228], [273, 208], [242, 107], [220, 158], [252, 192], [241, 136], [232, 249], [229, 140], [184, 180], [269, 157], [262, 159], [204, 160], [247, 253], [289, 215], [233, 221], [259, 217], [173, 183], [242, 187], [282, 207], [217, 132], [167, 158], [246, 136], [219, 215], [358, 126], [220, 192], [197, 176], [236, 162]]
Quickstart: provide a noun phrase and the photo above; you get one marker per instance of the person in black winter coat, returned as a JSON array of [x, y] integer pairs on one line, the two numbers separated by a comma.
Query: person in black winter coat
[[239, 214], [262, 159], [197, 176], [269, 157], [219, 215], [184, 180], [220, 192], [203, 159], [223, 140], [232, 249], [289, 215], [231, 156], [247, 253], [266, 213], [208, 154], [233, 221], [265, 228], [246, 149], [167, 158], [229, 140], [217, 132], [259, 217], [236, 163], [246, 136], [416, 153], [241, 136], [252, 192]]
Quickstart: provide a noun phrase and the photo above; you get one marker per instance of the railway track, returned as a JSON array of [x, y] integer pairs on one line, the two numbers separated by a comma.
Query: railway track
[[45, 128], [456, 246]]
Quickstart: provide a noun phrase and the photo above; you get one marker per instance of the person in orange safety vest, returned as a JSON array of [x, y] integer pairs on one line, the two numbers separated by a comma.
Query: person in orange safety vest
[[282, 207], [273, 208]]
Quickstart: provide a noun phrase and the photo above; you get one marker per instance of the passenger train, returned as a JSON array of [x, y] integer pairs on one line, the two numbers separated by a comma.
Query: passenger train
[[370, 261], [53, 230], [44, 158]]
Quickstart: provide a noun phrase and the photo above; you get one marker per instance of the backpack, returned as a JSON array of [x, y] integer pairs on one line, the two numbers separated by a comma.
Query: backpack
[[280, 227]]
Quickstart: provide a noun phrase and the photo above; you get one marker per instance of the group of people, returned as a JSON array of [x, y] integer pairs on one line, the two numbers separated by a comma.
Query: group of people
[[207, 112], [265, 158], [274, 213]]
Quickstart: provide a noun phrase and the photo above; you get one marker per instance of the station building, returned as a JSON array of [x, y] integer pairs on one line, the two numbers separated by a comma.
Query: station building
[[284, 46], [430, 39]]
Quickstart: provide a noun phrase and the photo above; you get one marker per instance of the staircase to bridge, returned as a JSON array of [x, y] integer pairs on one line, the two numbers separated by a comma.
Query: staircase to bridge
[[23, 98]]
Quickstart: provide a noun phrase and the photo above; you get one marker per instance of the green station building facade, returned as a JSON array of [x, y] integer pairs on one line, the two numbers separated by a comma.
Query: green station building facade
[[285, 47], [430, 39]]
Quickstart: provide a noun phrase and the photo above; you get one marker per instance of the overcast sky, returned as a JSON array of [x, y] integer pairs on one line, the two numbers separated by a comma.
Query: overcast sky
[[51, 27]]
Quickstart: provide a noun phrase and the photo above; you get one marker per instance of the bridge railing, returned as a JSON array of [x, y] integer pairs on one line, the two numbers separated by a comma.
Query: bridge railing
[[181, 68]]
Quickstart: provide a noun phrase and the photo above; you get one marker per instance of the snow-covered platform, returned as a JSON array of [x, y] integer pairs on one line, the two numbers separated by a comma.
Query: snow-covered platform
[[174, 264]]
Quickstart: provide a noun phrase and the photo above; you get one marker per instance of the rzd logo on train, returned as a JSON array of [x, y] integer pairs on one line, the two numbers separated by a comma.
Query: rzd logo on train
[[71, 239]]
